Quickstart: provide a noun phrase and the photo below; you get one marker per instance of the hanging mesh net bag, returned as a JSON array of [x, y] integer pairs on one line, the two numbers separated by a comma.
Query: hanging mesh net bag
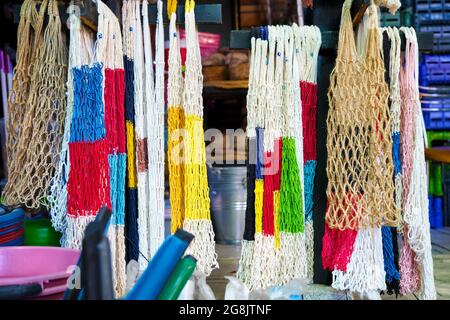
[[196, 192], [38, 141]]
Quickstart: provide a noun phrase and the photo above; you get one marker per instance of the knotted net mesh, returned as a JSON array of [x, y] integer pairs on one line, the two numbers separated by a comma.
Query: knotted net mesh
[[36, 158]]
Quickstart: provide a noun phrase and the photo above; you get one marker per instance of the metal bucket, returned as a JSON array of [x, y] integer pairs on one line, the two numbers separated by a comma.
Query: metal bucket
[[228, 194]]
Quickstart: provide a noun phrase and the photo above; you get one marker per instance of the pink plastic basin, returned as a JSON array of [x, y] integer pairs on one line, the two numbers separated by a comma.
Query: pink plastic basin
[[48, 266]]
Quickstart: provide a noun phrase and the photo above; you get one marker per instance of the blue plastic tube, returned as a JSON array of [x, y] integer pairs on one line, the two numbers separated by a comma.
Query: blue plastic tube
[[152, 281]]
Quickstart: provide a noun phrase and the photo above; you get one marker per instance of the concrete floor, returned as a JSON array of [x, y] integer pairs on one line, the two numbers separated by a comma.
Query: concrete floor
[[228, 256]]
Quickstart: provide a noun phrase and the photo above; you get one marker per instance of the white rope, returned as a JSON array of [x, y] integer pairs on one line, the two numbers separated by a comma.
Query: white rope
[[251, 93], [310, 40], [175, 85], [274, 117], [365, 271], [289, 126], [297, 112], [262, 86], [155, 126], [395, 98], [269, 96], [292, 261]]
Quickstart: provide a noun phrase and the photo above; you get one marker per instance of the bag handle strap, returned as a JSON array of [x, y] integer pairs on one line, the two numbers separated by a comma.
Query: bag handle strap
[[346, 45]]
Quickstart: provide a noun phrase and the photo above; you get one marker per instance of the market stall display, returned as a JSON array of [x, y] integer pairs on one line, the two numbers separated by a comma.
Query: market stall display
[[85, 135]]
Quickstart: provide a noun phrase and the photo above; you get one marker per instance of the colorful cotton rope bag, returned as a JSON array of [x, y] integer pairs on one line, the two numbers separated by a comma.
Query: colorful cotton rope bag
[[392, 47], [416, 231], [131, 193], [347, 171], [308, 41], [175, 123], [274, 245], [114, 108], [196, 192]]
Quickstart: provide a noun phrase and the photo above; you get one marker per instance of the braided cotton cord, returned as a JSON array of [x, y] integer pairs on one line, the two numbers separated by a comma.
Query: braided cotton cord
[[277, 251], [365, 271], [259, 254], [29, 22], [197, 206], [346, 171], [112, 59], [37, 149], [140, 109], [262, 88], [272, 109], [22, 77], [298, 140], [246, 262], [297, 112], [380, 187], [410, 279], [155, 127], [269, 110], [392, 274], [58, 190], [394, 73], [276, 124], [392, 63], [368, 247], [131, 197], [344, 206], [309, 39], [175, 114], [409, 270], [416, 208], [293, 262], [347, 163], [93, 136], [251, 92]]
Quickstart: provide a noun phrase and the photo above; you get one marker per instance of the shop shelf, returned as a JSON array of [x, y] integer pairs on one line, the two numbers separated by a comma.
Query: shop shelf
[[441, 36], [436, 113], [432, 10], [435, 69]]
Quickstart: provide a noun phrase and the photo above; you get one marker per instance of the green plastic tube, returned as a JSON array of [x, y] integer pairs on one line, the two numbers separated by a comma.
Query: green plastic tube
[[178, 279]]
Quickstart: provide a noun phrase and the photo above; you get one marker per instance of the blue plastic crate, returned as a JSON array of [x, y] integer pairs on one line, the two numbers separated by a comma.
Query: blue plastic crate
[[435, 69], [436, 113], [431, 210], [441, 37], [435, 212], [432, 10]]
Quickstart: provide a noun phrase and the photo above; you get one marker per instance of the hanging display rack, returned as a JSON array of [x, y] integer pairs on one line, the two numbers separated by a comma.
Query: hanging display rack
[[204, 13]]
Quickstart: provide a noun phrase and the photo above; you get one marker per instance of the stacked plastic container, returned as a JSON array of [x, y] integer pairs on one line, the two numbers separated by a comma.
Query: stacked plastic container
[[434, 16], [439, 175]]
